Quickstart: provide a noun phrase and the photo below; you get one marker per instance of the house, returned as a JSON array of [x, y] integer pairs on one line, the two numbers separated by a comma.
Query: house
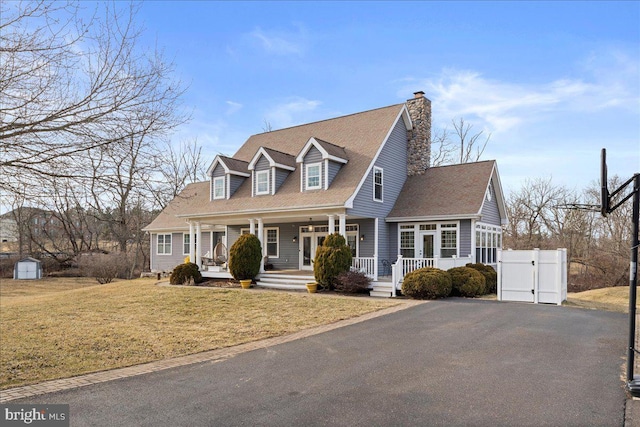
[[364, 175]]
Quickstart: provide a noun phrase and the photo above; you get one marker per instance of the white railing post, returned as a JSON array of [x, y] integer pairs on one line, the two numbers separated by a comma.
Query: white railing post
[[396, 271]]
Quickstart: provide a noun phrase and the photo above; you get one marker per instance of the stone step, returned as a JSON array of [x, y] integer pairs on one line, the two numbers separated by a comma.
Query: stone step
[[380, 294], [283, 286]]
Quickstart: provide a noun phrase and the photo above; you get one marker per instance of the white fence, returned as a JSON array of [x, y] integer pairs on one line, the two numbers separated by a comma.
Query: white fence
[[532, 276]]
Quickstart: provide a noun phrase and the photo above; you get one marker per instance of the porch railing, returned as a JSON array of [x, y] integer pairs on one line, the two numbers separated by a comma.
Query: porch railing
[[406, 265], [365, 265]]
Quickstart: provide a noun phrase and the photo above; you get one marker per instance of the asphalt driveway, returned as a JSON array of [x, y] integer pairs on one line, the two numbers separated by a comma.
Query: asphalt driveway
[[451, 362]]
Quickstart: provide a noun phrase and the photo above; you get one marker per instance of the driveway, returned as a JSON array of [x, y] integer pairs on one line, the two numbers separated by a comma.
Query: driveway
[[450, 362]]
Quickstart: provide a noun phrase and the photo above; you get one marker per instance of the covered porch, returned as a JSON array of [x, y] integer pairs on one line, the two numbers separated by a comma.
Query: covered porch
[[289, 242]]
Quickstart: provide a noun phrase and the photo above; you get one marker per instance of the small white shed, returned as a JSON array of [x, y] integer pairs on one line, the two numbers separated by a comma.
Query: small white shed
[[27, 269]]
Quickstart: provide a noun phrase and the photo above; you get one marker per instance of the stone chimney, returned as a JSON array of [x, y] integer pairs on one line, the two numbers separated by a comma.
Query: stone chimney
[[419, 138]]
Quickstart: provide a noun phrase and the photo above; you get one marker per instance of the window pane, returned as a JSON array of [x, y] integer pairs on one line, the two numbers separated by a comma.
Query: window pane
[[272, 249], [313, 176], [262, 182], [377, 184], [407, 240], [351, 241], [448, 243]]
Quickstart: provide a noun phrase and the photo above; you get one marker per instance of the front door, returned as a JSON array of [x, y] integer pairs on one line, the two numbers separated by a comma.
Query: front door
[[309, 242], [427, 245]]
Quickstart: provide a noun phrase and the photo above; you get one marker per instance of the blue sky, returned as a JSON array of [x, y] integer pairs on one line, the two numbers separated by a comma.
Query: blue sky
[[553, 82]]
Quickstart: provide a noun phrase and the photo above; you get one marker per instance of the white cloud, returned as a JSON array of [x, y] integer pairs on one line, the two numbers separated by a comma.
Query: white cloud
[[281, 42], [293, 111], [608, 81], [234, 107]]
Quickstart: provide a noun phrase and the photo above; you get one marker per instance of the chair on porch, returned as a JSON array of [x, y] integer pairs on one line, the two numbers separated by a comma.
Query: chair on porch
[[386, 268]]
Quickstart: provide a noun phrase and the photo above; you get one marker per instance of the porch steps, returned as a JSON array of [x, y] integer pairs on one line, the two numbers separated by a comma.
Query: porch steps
[[284, 281], [382, 290]]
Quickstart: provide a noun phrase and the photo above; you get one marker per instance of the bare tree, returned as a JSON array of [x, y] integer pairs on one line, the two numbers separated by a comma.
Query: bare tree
[[177, 168], [67, 83], [457, 146]]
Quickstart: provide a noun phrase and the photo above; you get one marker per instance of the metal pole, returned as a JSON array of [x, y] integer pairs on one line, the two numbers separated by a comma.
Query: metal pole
[[633, 385]]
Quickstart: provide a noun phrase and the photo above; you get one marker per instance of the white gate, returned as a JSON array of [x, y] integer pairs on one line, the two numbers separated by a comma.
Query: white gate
[[532, 276]]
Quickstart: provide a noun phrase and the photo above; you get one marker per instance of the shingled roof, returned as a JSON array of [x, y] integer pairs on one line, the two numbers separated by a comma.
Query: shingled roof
[[446, 191], [357, 137]]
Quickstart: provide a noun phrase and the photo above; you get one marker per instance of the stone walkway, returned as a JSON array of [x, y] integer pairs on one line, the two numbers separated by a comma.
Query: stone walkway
[[207, 356]]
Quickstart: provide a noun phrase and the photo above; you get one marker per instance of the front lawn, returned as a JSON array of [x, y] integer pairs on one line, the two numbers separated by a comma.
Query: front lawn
[[610, 299], [48, 335]]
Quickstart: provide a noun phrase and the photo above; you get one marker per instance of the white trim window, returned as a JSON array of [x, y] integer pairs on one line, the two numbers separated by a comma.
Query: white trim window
[[163, 244], [488, 241], [272, 240], [262, 182], [448, 240], [313, 176], [407, 241], [378, 184], [186, 243], [218, 188]]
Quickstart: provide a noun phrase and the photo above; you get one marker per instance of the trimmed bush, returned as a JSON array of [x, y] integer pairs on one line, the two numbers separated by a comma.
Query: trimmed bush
[[353, 282], [332, 258], [245, 257], [490, 275], [467, 282], [427, 283], [185, 274]]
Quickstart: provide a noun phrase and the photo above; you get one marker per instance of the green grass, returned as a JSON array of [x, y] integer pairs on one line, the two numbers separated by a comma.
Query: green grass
[[57, 334]]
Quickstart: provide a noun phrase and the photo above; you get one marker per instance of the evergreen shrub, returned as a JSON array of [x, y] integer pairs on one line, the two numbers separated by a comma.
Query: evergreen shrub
[[332, 258], [467, 282], [427, 283], [490, 275], [245, 257], [185, 274]]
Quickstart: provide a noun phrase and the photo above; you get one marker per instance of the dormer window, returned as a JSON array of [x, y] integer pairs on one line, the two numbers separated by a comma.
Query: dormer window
[[262, 182], [218, 188], [313, 176]]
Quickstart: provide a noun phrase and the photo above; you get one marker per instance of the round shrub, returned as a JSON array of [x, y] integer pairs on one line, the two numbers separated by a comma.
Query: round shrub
[[332, 258], [427, 283], [245, 257], [467, 282], [184, 274], [490, 275]]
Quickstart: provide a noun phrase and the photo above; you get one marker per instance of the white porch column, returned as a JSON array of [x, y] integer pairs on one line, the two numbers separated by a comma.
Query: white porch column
[[252, 226], [332, 224], [343, 225], [192, 244], [375, 251], [198, 245], [261, 238]]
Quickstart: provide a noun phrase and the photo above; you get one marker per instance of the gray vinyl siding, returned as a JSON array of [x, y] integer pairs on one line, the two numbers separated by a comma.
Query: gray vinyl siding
[[334, 168], [236, 182], [393, 161], [392, 248], [465, 237], [167, 262], [490, 212], [313, 156], [218, 171], [281, 176], [261, 165]]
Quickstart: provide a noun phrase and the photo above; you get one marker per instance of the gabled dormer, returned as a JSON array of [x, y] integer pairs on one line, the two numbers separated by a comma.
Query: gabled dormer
[[269, 168], [226, 175], [320, 161]]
